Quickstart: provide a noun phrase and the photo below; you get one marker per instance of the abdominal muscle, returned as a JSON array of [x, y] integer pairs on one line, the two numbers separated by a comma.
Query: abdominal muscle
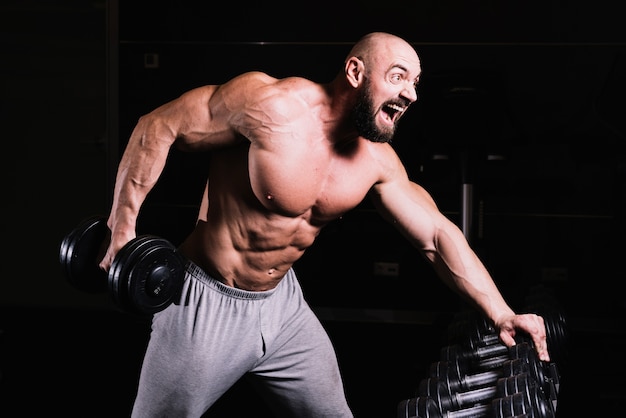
[[258, 217], [243, 237], [248, 251]]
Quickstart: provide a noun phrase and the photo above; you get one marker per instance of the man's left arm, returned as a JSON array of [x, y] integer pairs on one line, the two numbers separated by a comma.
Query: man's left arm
[[412, 210]]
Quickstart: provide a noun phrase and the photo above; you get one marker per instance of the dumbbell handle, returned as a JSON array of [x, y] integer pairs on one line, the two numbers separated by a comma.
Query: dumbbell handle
[[522, 359], [473, 355], [457, 382], [512, 368], [517, 405], [487, 358], [504, 386]]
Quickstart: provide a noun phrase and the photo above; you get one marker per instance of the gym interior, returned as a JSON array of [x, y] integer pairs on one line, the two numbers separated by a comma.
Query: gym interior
[[518, 134]]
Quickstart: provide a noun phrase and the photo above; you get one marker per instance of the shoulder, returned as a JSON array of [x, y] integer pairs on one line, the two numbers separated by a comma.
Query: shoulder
[[290, 93], [258, 97], [387, 162], [261, 86], [251, 89]]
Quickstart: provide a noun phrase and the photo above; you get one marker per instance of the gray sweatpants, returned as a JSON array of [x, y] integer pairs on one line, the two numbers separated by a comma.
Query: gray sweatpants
[[200, 346]]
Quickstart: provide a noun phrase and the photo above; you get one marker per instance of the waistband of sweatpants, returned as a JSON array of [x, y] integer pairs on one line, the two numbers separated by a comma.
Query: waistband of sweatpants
[[199, 274]]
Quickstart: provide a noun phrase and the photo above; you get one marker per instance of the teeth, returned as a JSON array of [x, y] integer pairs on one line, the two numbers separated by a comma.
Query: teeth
[[396, 107]]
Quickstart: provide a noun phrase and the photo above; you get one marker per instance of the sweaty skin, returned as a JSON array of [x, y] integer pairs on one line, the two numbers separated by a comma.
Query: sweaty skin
[[287, 158]]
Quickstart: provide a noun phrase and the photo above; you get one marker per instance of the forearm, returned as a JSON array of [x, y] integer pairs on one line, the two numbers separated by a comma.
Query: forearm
[[461, 269], [139, 170]]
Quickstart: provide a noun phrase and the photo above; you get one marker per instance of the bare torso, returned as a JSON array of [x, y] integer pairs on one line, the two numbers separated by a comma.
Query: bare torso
[[266, 208]]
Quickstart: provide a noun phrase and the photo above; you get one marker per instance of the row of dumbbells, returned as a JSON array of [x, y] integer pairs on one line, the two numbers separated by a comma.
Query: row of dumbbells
[[477, 376]]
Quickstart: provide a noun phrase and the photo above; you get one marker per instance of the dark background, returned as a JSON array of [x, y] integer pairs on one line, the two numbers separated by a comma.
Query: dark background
[[539, 85]]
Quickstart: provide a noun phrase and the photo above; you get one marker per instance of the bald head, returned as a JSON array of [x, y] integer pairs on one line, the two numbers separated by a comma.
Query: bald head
[[378, 46]]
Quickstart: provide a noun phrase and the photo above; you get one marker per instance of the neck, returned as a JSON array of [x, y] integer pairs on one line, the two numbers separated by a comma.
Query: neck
[[341, 100]]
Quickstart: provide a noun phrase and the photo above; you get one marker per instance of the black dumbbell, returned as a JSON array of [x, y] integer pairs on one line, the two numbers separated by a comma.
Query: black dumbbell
[[470, 325], [504, 386], [521, 358], [517, 405], [473, 339], [451, 377], [524, 352], [145, 276], [476, 357], [475, 332], [486, 351]]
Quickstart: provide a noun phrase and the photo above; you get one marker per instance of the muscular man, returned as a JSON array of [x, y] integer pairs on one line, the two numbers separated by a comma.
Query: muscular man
[[287, 156]]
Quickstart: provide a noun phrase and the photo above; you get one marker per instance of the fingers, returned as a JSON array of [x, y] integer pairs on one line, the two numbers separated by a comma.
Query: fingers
[[535, 327], [540, 339], [531, 324], [542, 351], [506, 336]]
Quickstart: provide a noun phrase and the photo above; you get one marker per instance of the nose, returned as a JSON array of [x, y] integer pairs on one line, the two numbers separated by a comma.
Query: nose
[[410, 93]]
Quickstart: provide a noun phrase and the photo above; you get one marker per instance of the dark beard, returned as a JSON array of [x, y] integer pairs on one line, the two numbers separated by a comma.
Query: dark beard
[[364, 118]]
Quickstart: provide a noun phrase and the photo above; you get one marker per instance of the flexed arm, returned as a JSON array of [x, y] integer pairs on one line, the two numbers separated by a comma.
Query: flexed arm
[[188, 122]]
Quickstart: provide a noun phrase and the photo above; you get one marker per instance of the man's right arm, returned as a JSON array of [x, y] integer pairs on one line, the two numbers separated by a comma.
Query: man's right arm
[[201, 119], [186, 121]]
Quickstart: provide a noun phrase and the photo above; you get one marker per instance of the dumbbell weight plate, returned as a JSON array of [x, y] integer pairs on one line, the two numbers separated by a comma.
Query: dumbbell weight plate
[[146, 275], [80, 253], [418, 407]]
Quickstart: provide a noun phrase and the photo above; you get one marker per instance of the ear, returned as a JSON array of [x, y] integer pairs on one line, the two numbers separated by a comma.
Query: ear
[[354, 71]]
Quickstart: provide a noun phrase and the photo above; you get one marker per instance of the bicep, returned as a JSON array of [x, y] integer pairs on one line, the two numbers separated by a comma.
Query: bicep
[[200, 119], [206, 117], [411, 209]]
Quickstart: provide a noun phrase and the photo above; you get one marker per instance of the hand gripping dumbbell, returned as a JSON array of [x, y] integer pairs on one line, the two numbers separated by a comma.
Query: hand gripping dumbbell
[[483, 350], [504, 386], [517, 405], [557, 330], [473, 331], [145, 276], [475, 341], [523, 360]]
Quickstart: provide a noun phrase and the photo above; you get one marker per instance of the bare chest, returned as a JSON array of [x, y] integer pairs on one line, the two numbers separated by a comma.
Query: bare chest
[[312, 181]]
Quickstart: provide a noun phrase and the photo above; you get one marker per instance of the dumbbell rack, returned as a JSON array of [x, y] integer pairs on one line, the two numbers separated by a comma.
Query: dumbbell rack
[[478, 376]]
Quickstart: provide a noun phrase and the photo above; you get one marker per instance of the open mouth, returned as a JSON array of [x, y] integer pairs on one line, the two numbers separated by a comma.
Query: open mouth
[[393, 112]]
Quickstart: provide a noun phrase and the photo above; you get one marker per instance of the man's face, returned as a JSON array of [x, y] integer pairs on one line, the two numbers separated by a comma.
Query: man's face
[[378, 121]]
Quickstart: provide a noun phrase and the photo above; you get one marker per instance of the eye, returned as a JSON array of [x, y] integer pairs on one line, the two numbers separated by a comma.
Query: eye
[[396, 78]]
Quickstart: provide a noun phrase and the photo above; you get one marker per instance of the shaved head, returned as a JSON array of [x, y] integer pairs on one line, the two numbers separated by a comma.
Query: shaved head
[[377, 46]]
